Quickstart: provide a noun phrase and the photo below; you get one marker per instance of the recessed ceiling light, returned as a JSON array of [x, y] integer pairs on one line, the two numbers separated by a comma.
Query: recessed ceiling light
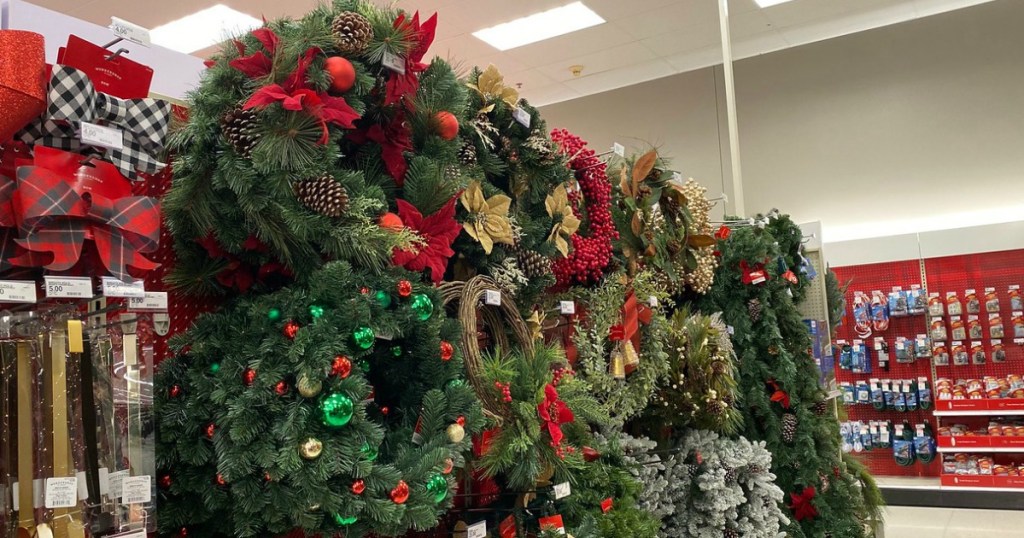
[[540, 26], [769, 3], [203, 28]]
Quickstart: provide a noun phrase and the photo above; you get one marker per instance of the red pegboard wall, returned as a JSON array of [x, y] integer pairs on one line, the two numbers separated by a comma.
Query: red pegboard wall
[[883, 276]]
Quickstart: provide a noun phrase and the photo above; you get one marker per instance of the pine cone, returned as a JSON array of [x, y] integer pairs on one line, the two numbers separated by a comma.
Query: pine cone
[[788, 427], [754, 308], [239, 127], [451, 173], [352, 32], [718, 367], [692, 471], [467, 154], [730, 475], [533, 264], [323, 195], [731, 533], [755, 469], [715, 408], [820, 407]]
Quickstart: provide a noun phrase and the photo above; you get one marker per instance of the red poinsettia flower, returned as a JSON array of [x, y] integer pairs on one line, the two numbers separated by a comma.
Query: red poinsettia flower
[[438, 231], [294, 95], [553, 412], [779, 395], [257, 64], [802, 506], [394, 140], [402, 84]]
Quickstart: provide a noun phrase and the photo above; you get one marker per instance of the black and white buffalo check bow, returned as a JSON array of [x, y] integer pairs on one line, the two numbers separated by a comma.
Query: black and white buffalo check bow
[[73, 99]]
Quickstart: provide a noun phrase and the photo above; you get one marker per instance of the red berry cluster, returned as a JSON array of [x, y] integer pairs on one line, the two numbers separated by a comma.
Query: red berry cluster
[[506, 390], [561, 450], [558, 374], [591, 251]]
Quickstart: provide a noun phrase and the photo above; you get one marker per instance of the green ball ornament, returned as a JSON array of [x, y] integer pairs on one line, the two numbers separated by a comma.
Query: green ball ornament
[[364, 366], [369, 451], [274, 314], [215, 367], [422, 306], [316, 311], [396, 351], [437, 487], [457, 383], [383, 298], [337, 410], [344, 521], [363, 337]]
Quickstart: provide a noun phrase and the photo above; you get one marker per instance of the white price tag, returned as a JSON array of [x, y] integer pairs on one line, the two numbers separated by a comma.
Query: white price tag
[[562, 490], [652, 301], [619, 149], [153, 300], [492, 297], [567, 307], [477, 530], [136, 490], [61, 492], [394, 62], [104, 481], [677, 177], [15, 496], [18, 291], [100, 135], [115, 483], [130, 534], [130, 31], [522, 117], [68, 287], [83, 487], [113, 287], [729, 329]]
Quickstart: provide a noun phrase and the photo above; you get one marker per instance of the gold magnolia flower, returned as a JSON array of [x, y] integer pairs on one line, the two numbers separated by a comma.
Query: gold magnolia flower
[[491, 85], [557, 204], [536, 324], [488, 218]]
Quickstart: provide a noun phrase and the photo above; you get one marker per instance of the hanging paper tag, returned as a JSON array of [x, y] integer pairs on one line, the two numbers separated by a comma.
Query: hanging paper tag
[[477, 530], [136, 490], [562, 490], [152, 301], [522, 117], [567, 307], [61, 492], [17, 291], [115, 482], [68, 287], [130, 31], [652, 301], [492, 297], [102, 136], [729, 329], [619, 149], [83, 486], [113, 287], [394, 62]]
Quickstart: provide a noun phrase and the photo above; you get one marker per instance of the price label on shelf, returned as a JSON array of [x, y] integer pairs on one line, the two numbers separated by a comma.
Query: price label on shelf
[[101, 135], [567, 307], [492, 297], [18, 291], [394, 62], [113, 287], [68, 287], [477, 530], [151, 301], [115, 483], [522, 117], [136, 490], [130, 31], [61, 492], [562, 490]]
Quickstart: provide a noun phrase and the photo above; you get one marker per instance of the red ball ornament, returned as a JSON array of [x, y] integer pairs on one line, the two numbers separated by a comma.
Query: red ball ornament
[[447, 125], [266, 476], [281, 388], [358, 487], [364, 290], [404, 288], [391, 221], [210, 429], [341, 366], [384, 410], [166, 481], [220, 480], [174, 391], [461, 421], [589, 454], [183, 532], [447, 350], [401, 493], [291, 329], [448, 466], [343, 74], [249, 377]]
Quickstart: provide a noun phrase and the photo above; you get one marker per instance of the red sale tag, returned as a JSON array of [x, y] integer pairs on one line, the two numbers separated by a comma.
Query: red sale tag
[[507, 529], [552, 523], [606, 505]]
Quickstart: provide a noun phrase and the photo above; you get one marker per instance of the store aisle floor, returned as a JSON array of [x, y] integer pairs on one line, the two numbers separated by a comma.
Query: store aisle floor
[[953, 523]]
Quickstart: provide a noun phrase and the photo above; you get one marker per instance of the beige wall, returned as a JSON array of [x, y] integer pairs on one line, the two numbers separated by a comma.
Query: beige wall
[[902, 128]]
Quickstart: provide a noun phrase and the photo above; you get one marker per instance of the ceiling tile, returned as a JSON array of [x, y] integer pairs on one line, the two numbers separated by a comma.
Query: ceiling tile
[[526, 80], [666, 19], [617, 9], [696, 59], [830, 27], [623, 76], [571, 45], [763, 43], [628, 54], [683, 39], [748, 23], [803, 11], [553, 93]]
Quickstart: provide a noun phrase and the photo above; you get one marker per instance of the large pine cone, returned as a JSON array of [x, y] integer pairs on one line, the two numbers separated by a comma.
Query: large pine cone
[[239, 127], [352, 32], [532, 263], [467, 154], [323, 195]]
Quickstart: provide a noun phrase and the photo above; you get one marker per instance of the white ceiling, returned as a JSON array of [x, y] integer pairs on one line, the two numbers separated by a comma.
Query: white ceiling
[[642, 40]]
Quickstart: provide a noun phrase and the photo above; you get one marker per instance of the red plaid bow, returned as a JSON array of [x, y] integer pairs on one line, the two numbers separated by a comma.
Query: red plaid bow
[[54, 218]]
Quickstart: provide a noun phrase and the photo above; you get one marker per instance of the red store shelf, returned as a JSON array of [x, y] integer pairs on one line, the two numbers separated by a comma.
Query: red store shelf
[[980, 443], [950, 408], [982, 482]]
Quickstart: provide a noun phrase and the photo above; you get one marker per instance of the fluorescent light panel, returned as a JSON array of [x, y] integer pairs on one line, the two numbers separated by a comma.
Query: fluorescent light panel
[[769, 3], [203, 29], [540, 26]]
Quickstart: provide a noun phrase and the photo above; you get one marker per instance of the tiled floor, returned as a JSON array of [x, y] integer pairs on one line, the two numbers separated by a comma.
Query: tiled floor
[[910, 521]]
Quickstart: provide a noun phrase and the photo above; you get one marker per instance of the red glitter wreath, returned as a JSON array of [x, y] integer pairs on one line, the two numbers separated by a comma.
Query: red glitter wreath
[[592, 246]]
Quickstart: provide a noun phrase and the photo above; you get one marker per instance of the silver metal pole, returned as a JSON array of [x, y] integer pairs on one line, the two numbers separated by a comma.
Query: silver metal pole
[[734, 204]]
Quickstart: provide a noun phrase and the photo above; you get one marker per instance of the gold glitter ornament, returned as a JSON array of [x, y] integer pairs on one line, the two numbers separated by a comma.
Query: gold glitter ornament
[[311, 448], [309, 387]]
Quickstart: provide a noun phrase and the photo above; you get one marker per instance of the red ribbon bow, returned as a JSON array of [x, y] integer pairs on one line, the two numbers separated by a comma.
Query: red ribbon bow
[[802, 506], [779, 395], [59, 204], [553, 412]]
